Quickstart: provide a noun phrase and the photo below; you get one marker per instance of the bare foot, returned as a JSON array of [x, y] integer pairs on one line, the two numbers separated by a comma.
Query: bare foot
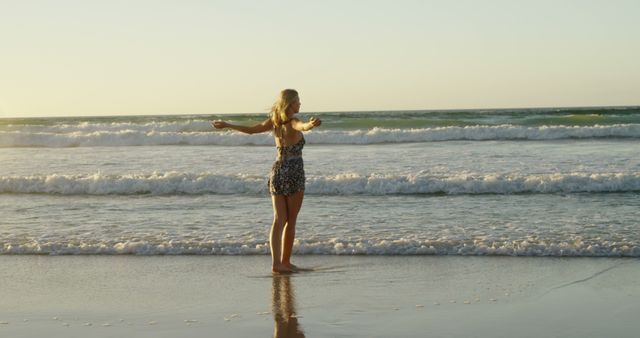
[[281, 268], [291, 266]]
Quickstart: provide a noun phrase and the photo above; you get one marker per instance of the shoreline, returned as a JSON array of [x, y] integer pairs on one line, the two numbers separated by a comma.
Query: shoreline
[[348, 296]]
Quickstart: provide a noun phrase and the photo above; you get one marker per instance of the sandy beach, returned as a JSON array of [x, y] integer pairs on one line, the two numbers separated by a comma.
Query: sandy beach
[[345, 296], [434, 168]]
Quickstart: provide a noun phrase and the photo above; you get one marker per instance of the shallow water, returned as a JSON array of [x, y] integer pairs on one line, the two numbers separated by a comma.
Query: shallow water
[[566, 196]]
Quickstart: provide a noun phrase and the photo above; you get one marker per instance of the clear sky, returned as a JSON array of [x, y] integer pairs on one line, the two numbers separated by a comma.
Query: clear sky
[[112, 57]]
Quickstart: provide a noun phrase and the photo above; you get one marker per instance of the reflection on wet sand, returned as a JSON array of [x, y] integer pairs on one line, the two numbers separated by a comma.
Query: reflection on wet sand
[[284, 308]]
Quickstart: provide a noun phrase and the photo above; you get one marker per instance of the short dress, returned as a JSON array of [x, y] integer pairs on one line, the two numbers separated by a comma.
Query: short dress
[[287, 173]]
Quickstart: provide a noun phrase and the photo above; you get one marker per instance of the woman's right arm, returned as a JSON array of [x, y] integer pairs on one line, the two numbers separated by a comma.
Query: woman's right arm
[[258, 128]]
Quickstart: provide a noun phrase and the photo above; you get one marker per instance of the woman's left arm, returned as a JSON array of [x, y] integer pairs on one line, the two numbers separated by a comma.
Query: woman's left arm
[[304, 126]]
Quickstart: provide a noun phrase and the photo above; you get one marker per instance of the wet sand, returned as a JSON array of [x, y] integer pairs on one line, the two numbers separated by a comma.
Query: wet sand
[[345, 296]]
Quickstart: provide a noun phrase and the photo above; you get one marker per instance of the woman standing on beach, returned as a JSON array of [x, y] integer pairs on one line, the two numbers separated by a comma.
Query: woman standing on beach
[[286, 181]]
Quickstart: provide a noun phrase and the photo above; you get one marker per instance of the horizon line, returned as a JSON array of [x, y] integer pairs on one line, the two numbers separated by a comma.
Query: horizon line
[[337, 111]]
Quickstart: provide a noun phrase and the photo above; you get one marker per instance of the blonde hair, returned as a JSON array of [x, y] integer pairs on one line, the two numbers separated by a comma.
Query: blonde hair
[[278, 114]]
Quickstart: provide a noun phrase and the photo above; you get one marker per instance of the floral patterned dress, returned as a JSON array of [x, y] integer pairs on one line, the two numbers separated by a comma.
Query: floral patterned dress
[[287, 173]]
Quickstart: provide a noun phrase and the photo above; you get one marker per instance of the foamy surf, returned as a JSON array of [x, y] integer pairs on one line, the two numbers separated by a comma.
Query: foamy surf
[[176, 183], [414, 196], [114, 137], [570, 247]]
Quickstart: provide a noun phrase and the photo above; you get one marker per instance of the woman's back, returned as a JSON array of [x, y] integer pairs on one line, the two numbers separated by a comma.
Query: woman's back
[[286, 135]]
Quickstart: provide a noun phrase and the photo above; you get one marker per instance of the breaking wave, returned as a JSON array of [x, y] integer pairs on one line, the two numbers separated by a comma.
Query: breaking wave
[[176, 183], [171, 135]]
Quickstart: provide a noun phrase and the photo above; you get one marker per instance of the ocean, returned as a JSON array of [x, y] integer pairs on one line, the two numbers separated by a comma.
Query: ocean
[[494, 182]]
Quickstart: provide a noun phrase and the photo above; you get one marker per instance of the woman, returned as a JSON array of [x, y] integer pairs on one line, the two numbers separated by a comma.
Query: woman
[[286, 181]]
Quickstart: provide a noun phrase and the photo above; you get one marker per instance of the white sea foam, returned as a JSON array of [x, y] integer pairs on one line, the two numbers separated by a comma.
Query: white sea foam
[[575, 247], [171, 183], [177, 134], [155, 183], [91, 127]]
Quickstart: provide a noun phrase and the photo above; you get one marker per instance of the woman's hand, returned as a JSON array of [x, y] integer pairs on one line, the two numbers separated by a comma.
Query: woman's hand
[[219, 124], [314, 121]]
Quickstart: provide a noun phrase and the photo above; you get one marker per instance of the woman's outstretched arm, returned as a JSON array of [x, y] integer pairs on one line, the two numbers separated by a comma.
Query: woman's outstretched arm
[[258, 128], [304, 126]]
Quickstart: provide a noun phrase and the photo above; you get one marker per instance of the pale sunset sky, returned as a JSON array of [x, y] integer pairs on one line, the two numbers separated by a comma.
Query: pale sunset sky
[[138, 57]]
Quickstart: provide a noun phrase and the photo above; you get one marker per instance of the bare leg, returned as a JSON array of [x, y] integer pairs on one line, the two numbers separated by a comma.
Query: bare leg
[[294, 203], [275, 237]]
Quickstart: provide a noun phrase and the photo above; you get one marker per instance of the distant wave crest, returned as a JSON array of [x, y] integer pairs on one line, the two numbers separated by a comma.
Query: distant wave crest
[[171, 135], [172, 183]]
